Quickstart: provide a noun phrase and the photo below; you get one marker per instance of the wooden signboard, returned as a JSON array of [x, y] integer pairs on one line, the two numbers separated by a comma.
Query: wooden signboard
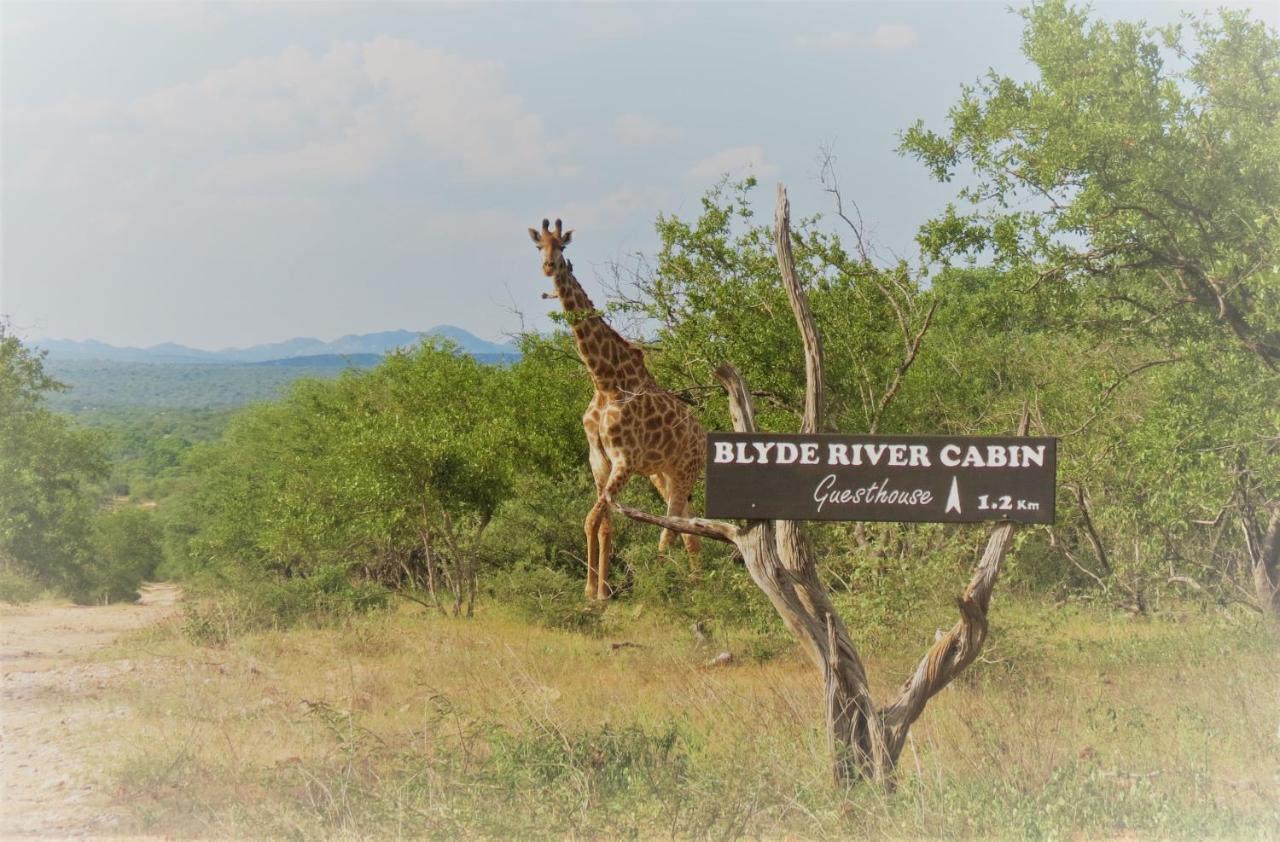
[[947, 479]]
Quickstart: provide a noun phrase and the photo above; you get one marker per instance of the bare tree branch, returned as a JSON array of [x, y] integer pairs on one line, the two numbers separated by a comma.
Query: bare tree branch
[[813, 391], [715, 529], [913, 348]]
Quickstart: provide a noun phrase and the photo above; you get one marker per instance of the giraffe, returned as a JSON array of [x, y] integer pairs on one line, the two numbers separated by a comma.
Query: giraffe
[[633, 425]]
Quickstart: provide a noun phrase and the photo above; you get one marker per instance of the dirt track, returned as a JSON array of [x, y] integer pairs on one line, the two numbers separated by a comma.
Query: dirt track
[[50, 710]]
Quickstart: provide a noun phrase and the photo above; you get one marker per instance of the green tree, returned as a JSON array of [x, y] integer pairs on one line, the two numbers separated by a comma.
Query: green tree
[[1134, 183], [47, 472], [714, 294], [127, 549]]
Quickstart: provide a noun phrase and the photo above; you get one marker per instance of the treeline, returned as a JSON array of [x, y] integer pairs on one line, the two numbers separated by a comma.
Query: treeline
[[99, 387], [1113, 265]]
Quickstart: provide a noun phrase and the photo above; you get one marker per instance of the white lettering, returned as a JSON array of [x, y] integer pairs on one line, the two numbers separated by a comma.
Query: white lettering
[[837, 454], [809, 453], [724, 451], [920, 456], [877, 493], [950, 455], [787, 453]]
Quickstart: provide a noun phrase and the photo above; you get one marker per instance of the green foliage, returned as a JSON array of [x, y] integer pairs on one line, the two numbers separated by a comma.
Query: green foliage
[[1132, 189], [1141, 164], [716, 296], [127, 549], [396, 473], [547, 597], [18, 586], [146, 445], [722, 597], [47, 471], [221, 608]]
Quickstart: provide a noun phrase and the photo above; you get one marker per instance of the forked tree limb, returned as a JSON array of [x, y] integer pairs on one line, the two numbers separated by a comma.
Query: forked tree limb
[[958, 647]]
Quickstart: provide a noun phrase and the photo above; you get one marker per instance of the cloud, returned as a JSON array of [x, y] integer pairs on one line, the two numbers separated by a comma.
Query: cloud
[[616, 208], [339, 114], [886, 38], [71, 111], [186, 16], [737, 160], [635, 130]]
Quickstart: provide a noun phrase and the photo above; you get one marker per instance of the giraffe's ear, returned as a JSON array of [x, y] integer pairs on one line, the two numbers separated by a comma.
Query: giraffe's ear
[[535, 236], [564, 240]]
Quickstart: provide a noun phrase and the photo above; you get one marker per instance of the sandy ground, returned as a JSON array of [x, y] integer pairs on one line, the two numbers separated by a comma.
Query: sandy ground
[[50, 708]]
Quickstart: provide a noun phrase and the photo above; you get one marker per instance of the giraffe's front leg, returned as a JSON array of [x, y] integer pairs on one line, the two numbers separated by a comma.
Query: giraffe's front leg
[[619, 473], [662, 484], [678, 506]]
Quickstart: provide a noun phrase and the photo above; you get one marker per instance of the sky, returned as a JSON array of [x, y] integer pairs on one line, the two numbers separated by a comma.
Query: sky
[[225, 174]]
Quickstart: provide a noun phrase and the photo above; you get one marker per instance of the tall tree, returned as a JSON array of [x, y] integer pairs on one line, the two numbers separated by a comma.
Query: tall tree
[[1135, 181]]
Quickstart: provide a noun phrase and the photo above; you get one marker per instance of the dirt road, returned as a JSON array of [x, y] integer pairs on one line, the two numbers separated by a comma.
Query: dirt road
[[50, 711]]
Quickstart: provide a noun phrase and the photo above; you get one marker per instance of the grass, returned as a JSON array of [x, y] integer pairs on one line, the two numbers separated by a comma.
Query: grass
[[1075, 724]]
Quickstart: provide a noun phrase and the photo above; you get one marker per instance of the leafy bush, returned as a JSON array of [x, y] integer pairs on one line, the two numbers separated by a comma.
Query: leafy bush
[[47, 469], [547, 597], [219, 609], [18, 586], [126, 550]]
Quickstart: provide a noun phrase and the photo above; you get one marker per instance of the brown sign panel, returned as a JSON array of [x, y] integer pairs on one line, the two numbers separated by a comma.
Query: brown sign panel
[[946, 479]]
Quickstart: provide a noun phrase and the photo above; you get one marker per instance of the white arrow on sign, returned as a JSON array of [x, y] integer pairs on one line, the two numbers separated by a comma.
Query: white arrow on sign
[[953, 498]]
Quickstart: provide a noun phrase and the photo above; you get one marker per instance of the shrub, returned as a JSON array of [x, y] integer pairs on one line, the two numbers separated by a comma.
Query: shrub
[[126, 546], [221, 608], [549, 598], [18, 587]]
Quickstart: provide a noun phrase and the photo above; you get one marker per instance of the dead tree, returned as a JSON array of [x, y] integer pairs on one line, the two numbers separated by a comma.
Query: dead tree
[[866, 741]]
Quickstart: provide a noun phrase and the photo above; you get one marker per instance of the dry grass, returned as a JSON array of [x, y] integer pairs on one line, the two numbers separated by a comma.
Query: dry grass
[[1074, 725]]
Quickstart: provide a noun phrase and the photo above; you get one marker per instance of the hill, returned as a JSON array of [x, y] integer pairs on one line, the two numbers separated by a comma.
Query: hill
[[378, 343]]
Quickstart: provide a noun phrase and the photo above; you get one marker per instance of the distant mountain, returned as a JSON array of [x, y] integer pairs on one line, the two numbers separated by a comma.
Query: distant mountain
[[347, 346], [339, 361]]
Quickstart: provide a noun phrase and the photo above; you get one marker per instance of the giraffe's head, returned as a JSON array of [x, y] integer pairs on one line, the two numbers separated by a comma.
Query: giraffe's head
[[551, 244]]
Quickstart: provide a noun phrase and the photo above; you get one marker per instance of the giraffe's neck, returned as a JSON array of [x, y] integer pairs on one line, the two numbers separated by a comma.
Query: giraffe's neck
[[615, 365]]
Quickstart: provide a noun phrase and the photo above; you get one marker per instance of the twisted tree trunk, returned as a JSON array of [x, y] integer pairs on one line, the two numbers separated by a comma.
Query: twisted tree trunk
[[865, 741]]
